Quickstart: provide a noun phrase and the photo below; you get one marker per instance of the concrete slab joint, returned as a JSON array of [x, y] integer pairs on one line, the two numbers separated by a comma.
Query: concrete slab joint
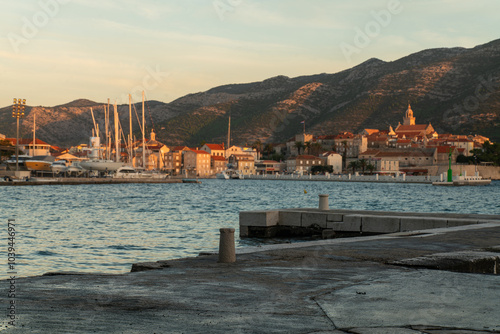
[[350, 223]]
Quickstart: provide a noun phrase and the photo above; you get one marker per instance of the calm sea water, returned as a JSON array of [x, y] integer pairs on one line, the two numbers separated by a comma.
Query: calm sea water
[[106, 228]]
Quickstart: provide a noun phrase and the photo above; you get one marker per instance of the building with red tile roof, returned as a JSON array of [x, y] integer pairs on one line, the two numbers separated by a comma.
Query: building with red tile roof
[[218, 164], [197, 163]]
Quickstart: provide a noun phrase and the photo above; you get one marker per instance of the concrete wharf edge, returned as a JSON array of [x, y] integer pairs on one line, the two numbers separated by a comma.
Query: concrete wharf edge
[[78, 181], [329, 286], [269, 223]]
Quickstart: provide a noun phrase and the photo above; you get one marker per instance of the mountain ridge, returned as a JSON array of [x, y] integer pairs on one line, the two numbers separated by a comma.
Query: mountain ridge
[[456, 89]]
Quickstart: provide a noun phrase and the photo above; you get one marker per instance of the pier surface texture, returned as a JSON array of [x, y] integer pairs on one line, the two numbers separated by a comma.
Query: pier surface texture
[[436, 281]]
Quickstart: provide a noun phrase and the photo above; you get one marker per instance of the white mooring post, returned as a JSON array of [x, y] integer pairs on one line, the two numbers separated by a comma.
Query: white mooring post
[[323, 202], [227, 253]]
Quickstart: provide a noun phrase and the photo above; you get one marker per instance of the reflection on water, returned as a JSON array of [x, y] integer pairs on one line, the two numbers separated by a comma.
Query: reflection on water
[[106, 228]]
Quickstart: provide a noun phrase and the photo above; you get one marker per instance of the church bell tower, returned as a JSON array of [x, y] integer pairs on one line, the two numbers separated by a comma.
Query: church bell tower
[[409, 119]]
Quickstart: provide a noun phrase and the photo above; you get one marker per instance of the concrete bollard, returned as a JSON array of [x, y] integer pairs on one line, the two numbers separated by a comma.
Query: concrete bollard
[[227, 252], [323, 202]]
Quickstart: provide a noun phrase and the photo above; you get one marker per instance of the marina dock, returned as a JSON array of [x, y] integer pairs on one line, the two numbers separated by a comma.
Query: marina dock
[[82, 180], [309, 221]]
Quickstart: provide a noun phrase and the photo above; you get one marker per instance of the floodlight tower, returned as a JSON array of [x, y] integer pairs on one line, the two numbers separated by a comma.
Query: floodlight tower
[[18, 112]]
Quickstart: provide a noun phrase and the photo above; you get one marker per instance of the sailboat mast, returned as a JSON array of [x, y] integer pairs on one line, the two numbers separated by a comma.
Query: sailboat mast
[[106, 118], [229, 133], [143, 135], [34, 127], [117, 134], [130, 150]]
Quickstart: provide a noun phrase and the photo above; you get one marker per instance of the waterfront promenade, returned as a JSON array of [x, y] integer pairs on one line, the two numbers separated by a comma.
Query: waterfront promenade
[[85, 180], [375, 284]]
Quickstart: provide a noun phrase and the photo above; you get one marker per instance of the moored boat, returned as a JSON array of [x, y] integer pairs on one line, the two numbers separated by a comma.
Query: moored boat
[[462, 180], [11, 162], [74, 169], [59, 166], [126, 172], [39, 163], [230, 174]]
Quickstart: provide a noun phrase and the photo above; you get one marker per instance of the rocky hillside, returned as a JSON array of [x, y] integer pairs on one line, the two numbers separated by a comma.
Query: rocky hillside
[[456, 89]]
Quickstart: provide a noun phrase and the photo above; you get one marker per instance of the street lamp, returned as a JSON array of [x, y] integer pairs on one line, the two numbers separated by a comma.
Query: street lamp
[[17, 112]]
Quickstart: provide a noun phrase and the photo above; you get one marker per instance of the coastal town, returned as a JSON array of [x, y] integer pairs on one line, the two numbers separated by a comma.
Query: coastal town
[[409, 148]]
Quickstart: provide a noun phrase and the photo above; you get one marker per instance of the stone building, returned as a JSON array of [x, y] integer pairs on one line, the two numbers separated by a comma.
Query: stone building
[[302, 163], [197, 163], [244, 163], [218, 164], [332, 159], [350, 144]]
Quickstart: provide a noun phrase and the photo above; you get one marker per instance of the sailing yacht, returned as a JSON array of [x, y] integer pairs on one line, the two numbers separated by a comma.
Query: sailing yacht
[[95, 162]]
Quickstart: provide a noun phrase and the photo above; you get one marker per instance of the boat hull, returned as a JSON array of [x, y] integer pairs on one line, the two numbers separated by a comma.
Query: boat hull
[[458, 183], [101, 165], [37, 165]]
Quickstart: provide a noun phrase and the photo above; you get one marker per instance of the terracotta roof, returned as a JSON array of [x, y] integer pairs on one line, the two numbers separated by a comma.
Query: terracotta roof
[[307, 157], [345, 135], [215, 147], [445, 149], [370, 152], [409, 128], [26, 141], [180, 148], [371, 131], [218, 158], [324, 137]]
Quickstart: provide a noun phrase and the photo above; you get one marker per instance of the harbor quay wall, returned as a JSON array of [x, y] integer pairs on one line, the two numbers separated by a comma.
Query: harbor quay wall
[[434, 175], [348, 178], [81, 180], [296, 222]]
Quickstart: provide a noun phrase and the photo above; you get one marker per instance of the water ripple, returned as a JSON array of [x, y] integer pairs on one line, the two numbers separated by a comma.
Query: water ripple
[[106, 228]]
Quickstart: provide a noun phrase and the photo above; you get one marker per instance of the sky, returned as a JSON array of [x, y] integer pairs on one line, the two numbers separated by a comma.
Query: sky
[[56, 51]]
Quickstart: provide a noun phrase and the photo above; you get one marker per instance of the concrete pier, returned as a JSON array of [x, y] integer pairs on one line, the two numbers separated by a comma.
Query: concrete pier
[[394, 283], [300, 222]]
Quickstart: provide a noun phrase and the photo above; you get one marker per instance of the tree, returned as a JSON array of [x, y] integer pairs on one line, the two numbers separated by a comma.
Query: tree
[[354, 165], [362, 164], [277, 157], [344, 155], [371, 168], [489, 153], [462, 159], [6, 148], [316, 148], [257, 145], [268, 149], [321, 169]]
